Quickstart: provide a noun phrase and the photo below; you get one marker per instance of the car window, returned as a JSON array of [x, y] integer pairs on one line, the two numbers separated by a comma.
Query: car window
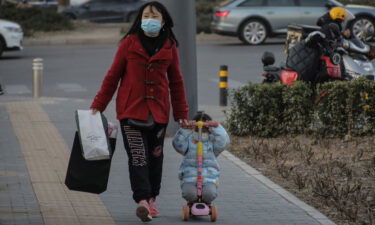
[[225, 2], [281, 3], [249, 3], [316, 3], [336, 3]]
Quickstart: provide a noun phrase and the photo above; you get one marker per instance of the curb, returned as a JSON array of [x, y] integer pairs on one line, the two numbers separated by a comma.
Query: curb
[[311, 211]]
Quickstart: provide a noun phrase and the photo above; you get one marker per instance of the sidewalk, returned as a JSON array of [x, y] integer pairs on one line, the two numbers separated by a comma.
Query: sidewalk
[[35, 141]]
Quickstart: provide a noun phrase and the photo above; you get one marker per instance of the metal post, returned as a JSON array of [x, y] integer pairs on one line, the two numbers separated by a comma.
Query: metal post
[[183, 14], [37, 77], [223, 85]]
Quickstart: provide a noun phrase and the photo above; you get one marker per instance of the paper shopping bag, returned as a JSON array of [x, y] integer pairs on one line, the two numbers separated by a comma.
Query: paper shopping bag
[[92, 130]]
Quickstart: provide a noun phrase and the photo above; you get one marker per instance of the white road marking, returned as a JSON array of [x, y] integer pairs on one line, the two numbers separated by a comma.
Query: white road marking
[[71, 87], [16, 89]]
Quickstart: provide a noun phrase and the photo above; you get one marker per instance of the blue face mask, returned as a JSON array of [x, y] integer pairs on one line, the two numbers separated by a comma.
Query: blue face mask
[[151, 26]]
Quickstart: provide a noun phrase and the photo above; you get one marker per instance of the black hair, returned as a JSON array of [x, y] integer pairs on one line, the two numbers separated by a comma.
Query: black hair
[[168, 22], [202, 116]]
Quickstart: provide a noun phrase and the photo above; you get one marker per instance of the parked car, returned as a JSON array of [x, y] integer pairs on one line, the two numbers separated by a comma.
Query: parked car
[[11, 36], [255, 20], [106, 10]]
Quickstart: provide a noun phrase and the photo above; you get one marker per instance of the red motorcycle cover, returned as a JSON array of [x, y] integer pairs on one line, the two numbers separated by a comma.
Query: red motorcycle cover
[[333, 71], [371, 54], [288, 77]]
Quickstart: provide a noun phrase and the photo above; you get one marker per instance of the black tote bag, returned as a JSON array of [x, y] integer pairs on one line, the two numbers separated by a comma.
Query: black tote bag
[[87, 176]]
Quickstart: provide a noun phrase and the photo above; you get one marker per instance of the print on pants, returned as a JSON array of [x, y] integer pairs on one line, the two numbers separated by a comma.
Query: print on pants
[[136, 145], [160, 139]]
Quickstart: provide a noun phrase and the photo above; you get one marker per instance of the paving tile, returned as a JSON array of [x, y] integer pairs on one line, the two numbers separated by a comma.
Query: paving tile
[[17, 199], [46, 155], [45, 134]]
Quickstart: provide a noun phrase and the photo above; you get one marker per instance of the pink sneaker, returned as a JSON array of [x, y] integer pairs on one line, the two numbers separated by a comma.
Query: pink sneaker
[[144, 211], [154, 208]]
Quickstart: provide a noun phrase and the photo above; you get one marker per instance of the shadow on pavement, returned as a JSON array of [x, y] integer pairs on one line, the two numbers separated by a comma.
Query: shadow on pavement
[[11, 57]]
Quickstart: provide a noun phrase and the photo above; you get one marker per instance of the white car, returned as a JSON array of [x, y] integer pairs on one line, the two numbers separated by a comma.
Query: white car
[[11, 36]]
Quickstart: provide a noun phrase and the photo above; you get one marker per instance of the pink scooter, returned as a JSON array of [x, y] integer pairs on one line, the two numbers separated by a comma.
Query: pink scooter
[[200, 208]]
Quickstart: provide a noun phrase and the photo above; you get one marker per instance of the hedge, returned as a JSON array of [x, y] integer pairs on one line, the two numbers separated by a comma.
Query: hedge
[[35, 18], [332, 109]]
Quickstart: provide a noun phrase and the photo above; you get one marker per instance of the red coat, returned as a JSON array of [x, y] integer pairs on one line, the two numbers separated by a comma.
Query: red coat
[[145, 83]]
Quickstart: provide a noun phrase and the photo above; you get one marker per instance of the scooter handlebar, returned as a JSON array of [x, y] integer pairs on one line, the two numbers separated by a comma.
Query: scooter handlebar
[[194, 124]]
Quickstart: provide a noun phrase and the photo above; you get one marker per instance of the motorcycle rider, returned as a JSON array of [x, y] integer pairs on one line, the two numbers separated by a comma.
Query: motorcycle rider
[[332, 24], [336, 15]]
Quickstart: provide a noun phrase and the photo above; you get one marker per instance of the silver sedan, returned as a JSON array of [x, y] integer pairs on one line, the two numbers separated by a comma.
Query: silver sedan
[[255, 20]]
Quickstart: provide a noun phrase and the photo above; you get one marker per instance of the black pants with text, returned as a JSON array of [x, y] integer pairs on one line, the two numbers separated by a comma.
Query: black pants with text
[[145, 154]]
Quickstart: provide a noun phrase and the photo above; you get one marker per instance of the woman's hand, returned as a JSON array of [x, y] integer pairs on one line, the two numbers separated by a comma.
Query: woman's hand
[[183, 123], [94, 111]]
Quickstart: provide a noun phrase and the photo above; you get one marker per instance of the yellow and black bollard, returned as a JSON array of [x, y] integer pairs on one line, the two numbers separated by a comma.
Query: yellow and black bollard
[[223, 84]]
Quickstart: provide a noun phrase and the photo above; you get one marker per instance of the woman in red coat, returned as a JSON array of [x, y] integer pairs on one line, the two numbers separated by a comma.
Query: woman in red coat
[[147, 67]]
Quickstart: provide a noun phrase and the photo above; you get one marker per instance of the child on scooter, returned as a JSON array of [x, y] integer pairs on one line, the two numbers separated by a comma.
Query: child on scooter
[[214, 139]]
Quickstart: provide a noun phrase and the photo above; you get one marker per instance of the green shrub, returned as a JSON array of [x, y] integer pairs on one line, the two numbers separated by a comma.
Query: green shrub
[[331, 110], [267, 101], [348, 108], [35, 18], [241, 118], [268, 110], [298, 108], [256, 109]]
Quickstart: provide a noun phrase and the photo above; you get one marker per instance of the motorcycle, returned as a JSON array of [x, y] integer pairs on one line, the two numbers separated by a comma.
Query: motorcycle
[[356, 59], [317, 59], [314, 59]]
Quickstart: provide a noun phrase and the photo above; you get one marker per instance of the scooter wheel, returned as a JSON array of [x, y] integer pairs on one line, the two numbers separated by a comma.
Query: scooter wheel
[[213, 213], [185, 212]]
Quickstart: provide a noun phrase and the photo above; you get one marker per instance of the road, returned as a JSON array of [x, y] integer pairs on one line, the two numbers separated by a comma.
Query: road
[[77, 71]]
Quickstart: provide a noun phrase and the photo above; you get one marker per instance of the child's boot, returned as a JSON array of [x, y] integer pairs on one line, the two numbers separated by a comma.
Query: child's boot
[[154, 208], [144, 211]]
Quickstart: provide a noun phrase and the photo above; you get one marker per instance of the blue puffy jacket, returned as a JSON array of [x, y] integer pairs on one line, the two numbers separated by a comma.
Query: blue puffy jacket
[[185, 143]]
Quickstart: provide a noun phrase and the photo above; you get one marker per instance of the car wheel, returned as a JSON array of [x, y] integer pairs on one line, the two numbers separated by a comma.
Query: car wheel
[[363, 26], [253, 32]]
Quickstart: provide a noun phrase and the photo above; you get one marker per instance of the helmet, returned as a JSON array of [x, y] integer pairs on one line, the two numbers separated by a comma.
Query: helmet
[[338, 13]]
